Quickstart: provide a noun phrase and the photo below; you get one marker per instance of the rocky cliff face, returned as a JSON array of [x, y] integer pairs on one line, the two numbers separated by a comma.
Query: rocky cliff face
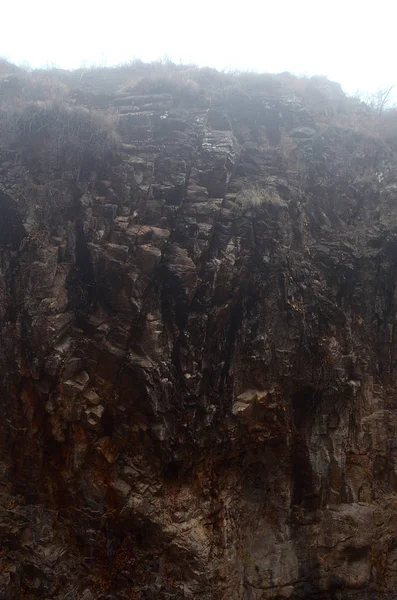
[[198, 358]]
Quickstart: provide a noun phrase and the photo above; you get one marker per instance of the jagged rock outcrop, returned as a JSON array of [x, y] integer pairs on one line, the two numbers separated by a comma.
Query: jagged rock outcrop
[[198, 359]]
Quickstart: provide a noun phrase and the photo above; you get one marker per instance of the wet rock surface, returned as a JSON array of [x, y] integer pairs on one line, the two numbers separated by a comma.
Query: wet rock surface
[[198, 361]]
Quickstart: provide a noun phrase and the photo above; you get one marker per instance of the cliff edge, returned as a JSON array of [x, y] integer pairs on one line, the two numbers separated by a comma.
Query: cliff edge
[[198, 360]]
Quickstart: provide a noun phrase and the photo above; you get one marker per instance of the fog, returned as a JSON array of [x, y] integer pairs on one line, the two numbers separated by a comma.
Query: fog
[[347, 41]]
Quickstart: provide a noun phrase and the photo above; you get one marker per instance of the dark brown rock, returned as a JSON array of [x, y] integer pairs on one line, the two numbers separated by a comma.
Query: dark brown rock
[[198, 358]]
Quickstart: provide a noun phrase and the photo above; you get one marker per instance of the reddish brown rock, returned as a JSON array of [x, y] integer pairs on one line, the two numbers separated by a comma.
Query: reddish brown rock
[[198, 351]]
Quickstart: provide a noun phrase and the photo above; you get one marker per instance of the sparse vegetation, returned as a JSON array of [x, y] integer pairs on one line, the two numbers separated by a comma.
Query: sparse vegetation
[[381, 100], [42, 124], [258, 196], [59, 137], [48, 116], [173, 82]]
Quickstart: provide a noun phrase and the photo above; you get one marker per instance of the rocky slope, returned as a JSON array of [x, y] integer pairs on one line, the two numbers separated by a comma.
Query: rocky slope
[[198, 357]]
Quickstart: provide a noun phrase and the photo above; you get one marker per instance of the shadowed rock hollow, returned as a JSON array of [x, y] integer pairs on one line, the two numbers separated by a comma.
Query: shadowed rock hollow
[[198, 360]]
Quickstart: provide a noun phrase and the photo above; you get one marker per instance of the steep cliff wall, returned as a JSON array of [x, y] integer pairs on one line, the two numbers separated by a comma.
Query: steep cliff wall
[[198, 360]]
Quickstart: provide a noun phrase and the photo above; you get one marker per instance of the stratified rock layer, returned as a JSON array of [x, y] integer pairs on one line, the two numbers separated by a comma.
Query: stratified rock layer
[[198, 361]]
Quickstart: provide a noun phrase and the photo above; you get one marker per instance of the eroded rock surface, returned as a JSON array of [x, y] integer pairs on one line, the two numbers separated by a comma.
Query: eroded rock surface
[[198, 361]]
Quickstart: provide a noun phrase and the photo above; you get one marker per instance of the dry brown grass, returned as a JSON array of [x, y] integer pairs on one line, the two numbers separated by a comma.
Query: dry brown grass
[[202, 84], [258, 195], [40, 106], [43, 125], [21, 86], [53, 136], [179, 84], [366, 121]]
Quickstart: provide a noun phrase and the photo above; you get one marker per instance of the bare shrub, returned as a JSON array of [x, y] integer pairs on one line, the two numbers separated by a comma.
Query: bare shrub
[[21, 86], [380, 101], [387, 126], [56, 137], [41, 118], [370, 120], [7, 67]]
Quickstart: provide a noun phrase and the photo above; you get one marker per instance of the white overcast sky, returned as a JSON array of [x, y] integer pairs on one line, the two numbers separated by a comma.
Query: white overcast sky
[[350, 41]]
